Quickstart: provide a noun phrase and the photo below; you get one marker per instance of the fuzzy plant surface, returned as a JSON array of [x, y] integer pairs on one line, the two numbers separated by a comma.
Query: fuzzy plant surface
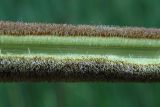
[[78, 53]]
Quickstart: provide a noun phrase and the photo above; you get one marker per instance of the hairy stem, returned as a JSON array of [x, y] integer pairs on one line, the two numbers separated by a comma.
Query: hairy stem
[[45, 52]]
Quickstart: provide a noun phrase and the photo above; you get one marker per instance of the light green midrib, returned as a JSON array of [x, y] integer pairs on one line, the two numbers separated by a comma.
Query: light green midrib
[[84, 41], [132, 50]]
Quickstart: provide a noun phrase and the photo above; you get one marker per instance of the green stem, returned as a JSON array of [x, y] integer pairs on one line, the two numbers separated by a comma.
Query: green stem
[[44, 52]]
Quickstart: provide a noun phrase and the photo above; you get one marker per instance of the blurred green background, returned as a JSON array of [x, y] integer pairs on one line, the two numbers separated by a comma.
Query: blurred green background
[[106, 12]]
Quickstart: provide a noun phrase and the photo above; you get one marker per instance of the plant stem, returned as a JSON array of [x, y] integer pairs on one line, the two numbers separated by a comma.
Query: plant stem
[[56, 56]]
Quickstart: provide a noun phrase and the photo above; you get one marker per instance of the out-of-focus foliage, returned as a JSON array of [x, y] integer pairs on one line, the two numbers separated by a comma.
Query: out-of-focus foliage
[[106, 12], [110, 12]]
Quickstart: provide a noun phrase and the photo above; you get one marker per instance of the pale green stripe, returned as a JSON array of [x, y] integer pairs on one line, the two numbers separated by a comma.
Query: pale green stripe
[[140, 51], [77, 40]]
